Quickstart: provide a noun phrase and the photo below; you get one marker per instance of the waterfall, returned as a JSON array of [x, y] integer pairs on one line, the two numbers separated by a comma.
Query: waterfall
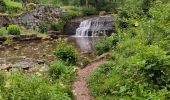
[[83, 28], [95, 26]]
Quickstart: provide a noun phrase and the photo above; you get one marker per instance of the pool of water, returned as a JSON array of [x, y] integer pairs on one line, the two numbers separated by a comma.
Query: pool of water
[[39, 51]]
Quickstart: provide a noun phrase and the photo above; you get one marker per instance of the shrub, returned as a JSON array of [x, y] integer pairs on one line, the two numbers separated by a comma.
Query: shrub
[[57, 69], [155, 65], [103, 45], [66, 52], [31, 6], [12, 7], [3, 79], [2, 6], [89, 10], [84, 62], [65, 17], [3, 31], [43, 28], [58, 25], [141, 58], [13, 30], [31, 87]]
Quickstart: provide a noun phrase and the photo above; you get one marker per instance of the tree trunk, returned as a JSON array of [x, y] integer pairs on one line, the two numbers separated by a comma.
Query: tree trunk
[[87, 3]]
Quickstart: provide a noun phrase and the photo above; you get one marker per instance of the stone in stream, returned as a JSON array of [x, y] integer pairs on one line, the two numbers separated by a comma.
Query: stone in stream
[[5, 67], [2, 38], [26, 65]]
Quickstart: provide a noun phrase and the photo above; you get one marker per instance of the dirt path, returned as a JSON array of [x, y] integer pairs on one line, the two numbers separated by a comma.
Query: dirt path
[[80, 90]]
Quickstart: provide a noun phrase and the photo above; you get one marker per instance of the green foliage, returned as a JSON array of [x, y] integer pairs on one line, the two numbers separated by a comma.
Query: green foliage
[[3, 31], [59, 70], [13, 30], [11, 7], [2, 6], [3, 79], [10, 3], [58, 25], [43, 28], [155, 65], [31, 6], [105, 44], [65, 17], [89, 11], [132, 77], [23, 86], [66, 52], [84, 62], [140, 60]]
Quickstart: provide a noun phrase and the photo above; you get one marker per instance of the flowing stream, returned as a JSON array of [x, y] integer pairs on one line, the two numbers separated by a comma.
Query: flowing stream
[[27, 53], [95, 26], [34, 52]]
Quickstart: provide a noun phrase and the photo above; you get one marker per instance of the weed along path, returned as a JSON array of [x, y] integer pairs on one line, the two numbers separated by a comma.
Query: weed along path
[[80, 89]]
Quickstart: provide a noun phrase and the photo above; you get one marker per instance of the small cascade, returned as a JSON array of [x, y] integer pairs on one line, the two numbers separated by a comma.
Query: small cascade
[[95, 26]]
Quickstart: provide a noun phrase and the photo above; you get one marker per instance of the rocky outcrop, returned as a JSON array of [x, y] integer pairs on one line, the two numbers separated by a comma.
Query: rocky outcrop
[[71, 26], [91, 24], [33, 19], [97, 26]]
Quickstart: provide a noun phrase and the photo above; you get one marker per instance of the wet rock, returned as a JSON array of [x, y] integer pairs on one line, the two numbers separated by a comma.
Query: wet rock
[[54, 34], [2, 38], [47, 38], [5, 67], [72, 25], [16, 48], [25, 65], [25, 37], [40, 61], [96, 26]]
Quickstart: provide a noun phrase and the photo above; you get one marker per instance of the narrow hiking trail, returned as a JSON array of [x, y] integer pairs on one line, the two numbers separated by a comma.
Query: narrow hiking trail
[[80, 89]]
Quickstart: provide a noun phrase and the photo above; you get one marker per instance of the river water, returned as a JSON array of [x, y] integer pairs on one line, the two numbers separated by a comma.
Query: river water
[[38, 51]]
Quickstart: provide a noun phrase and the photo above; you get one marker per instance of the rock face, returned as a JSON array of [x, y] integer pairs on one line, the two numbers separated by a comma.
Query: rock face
[[71, 26], [33, 18], [92, 26], [101, 25]]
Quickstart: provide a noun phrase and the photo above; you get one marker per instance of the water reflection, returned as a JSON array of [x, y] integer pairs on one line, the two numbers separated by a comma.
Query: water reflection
[[84, 43], [42, 50]]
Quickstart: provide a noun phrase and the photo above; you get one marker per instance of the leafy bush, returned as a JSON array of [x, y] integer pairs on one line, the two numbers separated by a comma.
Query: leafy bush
[[133, 77], [105, 44], [139, 66], [155, 65], [84, 62], [65, 17], [66, 52], [57, 69], [3, 79], [12, 7], [58, 25], [23, 86], [89, 10], [3, 31], [2, 6], [61, 71], [13, 30], [43, 28]]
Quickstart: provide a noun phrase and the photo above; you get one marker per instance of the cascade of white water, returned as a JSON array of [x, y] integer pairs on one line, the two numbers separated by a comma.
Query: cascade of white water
[[83, 28], [95, 26]]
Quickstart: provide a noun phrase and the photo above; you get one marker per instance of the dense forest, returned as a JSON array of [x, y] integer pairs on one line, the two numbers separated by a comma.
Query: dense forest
[[136, 55]]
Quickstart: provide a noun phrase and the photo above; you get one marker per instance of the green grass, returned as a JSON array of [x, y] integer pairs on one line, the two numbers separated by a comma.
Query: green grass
[[10, 3]]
